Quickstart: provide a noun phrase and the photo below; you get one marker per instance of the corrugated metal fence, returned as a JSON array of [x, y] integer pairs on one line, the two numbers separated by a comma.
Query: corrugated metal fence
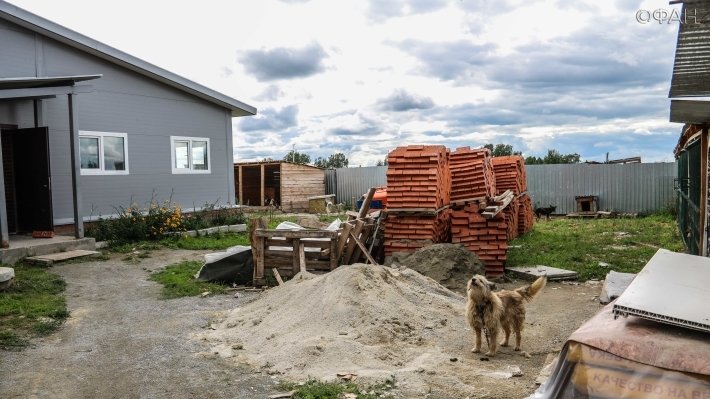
[[642, 187], [347, 183]]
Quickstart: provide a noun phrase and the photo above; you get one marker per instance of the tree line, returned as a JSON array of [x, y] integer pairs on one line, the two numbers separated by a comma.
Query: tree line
[[339, 160]]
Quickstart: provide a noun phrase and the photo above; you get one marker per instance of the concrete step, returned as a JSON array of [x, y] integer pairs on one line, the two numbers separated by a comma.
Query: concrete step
[[13, 255]]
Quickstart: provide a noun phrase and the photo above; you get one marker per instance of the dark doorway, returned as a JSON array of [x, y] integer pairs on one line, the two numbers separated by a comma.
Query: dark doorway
[[28, 191]]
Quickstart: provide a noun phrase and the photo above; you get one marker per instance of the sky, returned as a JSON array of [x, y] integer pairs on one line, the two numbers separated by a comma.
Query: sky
[[362, 77]]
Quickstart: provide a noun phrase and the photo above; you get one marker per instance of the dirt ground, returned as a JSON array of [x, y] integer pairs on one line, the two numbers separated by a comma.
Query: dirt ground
[[122, 341]]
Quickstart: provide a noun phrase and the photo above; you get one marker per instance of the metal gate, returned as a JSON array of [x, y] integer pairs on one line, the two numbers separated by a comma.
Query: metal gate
[[688, 189]]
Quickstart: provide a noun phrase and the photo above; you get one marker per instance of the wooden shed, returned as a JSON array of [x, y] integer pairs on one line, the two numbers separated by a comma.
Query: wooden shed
[[287, 184]]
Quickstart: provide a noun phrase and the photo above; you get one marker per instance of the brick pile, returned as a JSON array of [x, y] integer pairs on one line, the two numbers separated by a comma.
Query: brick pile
[[510, 174], [512, 218], [418, 187], [526, 216], [471, 174], [418, 177], [487, 238]]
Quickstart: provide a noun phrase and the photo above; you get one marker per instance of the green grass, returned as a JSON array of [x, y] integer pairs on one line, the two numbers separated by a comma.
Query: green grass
[[211, 242], [33, 306], [625, 244], [178, 280], [314, 389]]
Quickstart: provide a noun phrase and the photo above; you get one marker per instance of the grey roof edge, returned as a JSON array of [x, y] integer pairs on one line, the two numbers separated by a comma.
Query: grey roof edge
[[74, 39]]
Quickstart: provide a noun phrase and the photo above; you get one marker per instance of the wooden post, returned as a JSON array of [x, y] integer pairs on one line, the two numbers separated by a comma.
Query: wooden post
[[703, 222], [344, 234], [241, 186], [301, 258], [262, 185], [333, 253], [296, 256]]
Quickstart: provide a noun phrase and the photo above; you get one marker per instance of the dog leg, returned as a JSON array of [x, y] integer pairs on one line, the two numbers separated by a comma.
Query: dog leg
[[518, 338], [506, 328], [477, 344], [492, 342]]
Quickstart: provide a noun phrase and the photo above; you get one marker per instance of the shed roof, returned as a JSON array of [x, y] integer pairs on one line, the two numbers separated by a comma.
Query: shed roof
[[76, 40], [691, 68], [273, 162]]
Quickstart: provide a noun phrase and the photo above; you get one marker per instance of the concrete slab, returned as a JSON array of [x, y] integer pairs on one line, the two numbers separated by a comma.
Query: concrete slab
[[6, 273], [60, 256], [22, 247], [533, 272], [672, 289], [615, 284]]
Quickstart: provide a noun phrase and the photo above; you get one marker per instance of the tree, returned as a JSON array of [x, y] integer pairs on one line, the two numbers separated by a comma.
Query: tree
[[337, 160], [502, 150], [297, 157], [553, 157], [382, 163]]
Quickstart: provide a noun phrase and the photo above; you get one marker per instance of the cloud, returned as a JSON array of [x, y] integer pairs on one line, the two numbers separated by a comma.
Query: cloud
[[284, 63], [271, 119], [382, 10], [401, 101], [449, 60], [270, 93]]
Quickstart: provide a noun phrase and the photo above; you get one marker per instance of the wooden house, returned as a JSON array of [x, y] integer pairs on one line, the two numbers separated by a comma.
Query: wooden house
[[689, 84], [284, 184]]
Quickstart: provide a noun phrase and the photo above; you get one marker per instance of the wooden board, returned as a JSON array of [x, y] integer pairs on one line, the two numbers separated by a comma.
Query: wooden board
[[60, 256]]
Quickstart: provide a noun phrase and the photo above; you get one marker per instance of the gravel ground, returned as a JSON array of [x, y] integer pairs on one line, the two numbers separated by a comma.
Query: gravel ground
[[121, 341]]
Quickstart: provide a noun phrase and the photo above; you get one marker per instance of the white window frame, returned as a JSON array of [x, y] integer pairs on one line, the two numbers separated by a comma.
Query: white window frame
[[101, 170], [190, 169]]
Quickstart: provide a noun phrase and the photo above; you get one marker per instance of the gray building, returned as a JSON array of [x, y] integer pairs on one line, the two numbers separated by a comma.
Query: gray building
[[86, 128]]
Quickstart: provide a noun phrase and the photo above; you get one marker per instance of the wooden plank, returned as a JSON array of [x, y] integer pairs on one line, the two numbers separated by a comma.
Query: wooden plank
[[362, 247], [301, 259], [364, 235], [49, 259], [359, 224], [366, 204], [241, 186], [316, 243], [344, 234], [296, 233], [278, 276]]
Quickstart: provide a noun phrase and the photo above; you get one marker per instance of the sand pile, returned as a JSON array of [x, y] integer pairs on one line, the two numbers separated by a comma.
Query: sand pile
[[373, 321], [452, 265]]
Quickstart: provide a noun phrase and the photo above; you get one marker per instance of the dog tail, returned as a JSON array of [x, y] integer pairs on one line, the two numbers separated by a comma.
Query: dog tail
[[529, 291]]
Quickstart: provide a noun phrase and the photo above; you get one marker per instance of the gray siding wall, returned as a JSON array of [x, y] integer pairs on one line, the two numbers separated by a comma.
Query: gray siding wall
[[124, 102], [642, 187]]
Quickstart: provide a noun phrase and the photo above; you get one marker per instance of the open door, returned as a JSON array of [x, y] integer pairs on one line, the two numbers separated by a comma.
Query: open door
[[27, 176]]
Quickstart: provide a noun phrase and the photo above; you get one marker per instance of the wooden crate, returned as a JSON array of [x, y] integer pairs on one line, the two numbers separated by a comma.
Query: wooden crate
[[285, 250]]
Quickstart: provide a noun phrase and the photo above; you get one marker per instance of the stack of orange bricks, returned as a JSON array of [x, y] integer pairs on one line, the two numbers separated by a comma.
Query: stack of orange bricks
[[418, 187], [510, 175], [428, 178], [471, 174], [487, 238]]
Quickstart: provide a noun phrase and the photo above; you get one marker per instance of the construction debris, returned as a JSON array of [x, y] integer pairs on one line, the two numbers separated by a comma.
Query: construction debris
[[615, 284], [533, 272]]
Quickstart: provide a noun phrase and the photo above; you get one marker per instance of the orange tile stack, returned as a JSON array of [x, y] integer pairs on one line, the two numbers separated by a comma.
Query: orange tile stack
[[526, 216], [418, 187], [510, 174], [418, 177], [471, 174], [407, 233], [512, 217], [487, 238]]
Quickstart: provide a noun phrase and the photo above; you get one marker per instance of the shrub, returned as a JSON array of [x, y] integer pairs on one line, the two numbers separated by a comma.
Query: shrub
[[135, 224], [213, 215]]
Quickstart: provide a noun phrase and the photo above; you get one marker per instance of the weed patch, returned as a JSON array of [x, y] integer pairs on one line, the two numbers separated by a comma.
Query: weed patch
[[211, 242], [33, 306], [178, 280], [314, 389]]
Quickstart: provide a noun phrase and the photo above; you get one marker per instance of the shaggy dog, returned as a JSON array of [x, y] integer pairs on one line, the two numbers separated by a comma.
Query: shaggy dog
[[544, 211], [487, 310]]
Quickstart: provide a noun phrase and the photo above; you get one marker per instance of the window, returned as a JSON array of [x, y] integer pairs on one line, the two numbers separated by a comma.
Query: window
[[103, 153], [190, 154]]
